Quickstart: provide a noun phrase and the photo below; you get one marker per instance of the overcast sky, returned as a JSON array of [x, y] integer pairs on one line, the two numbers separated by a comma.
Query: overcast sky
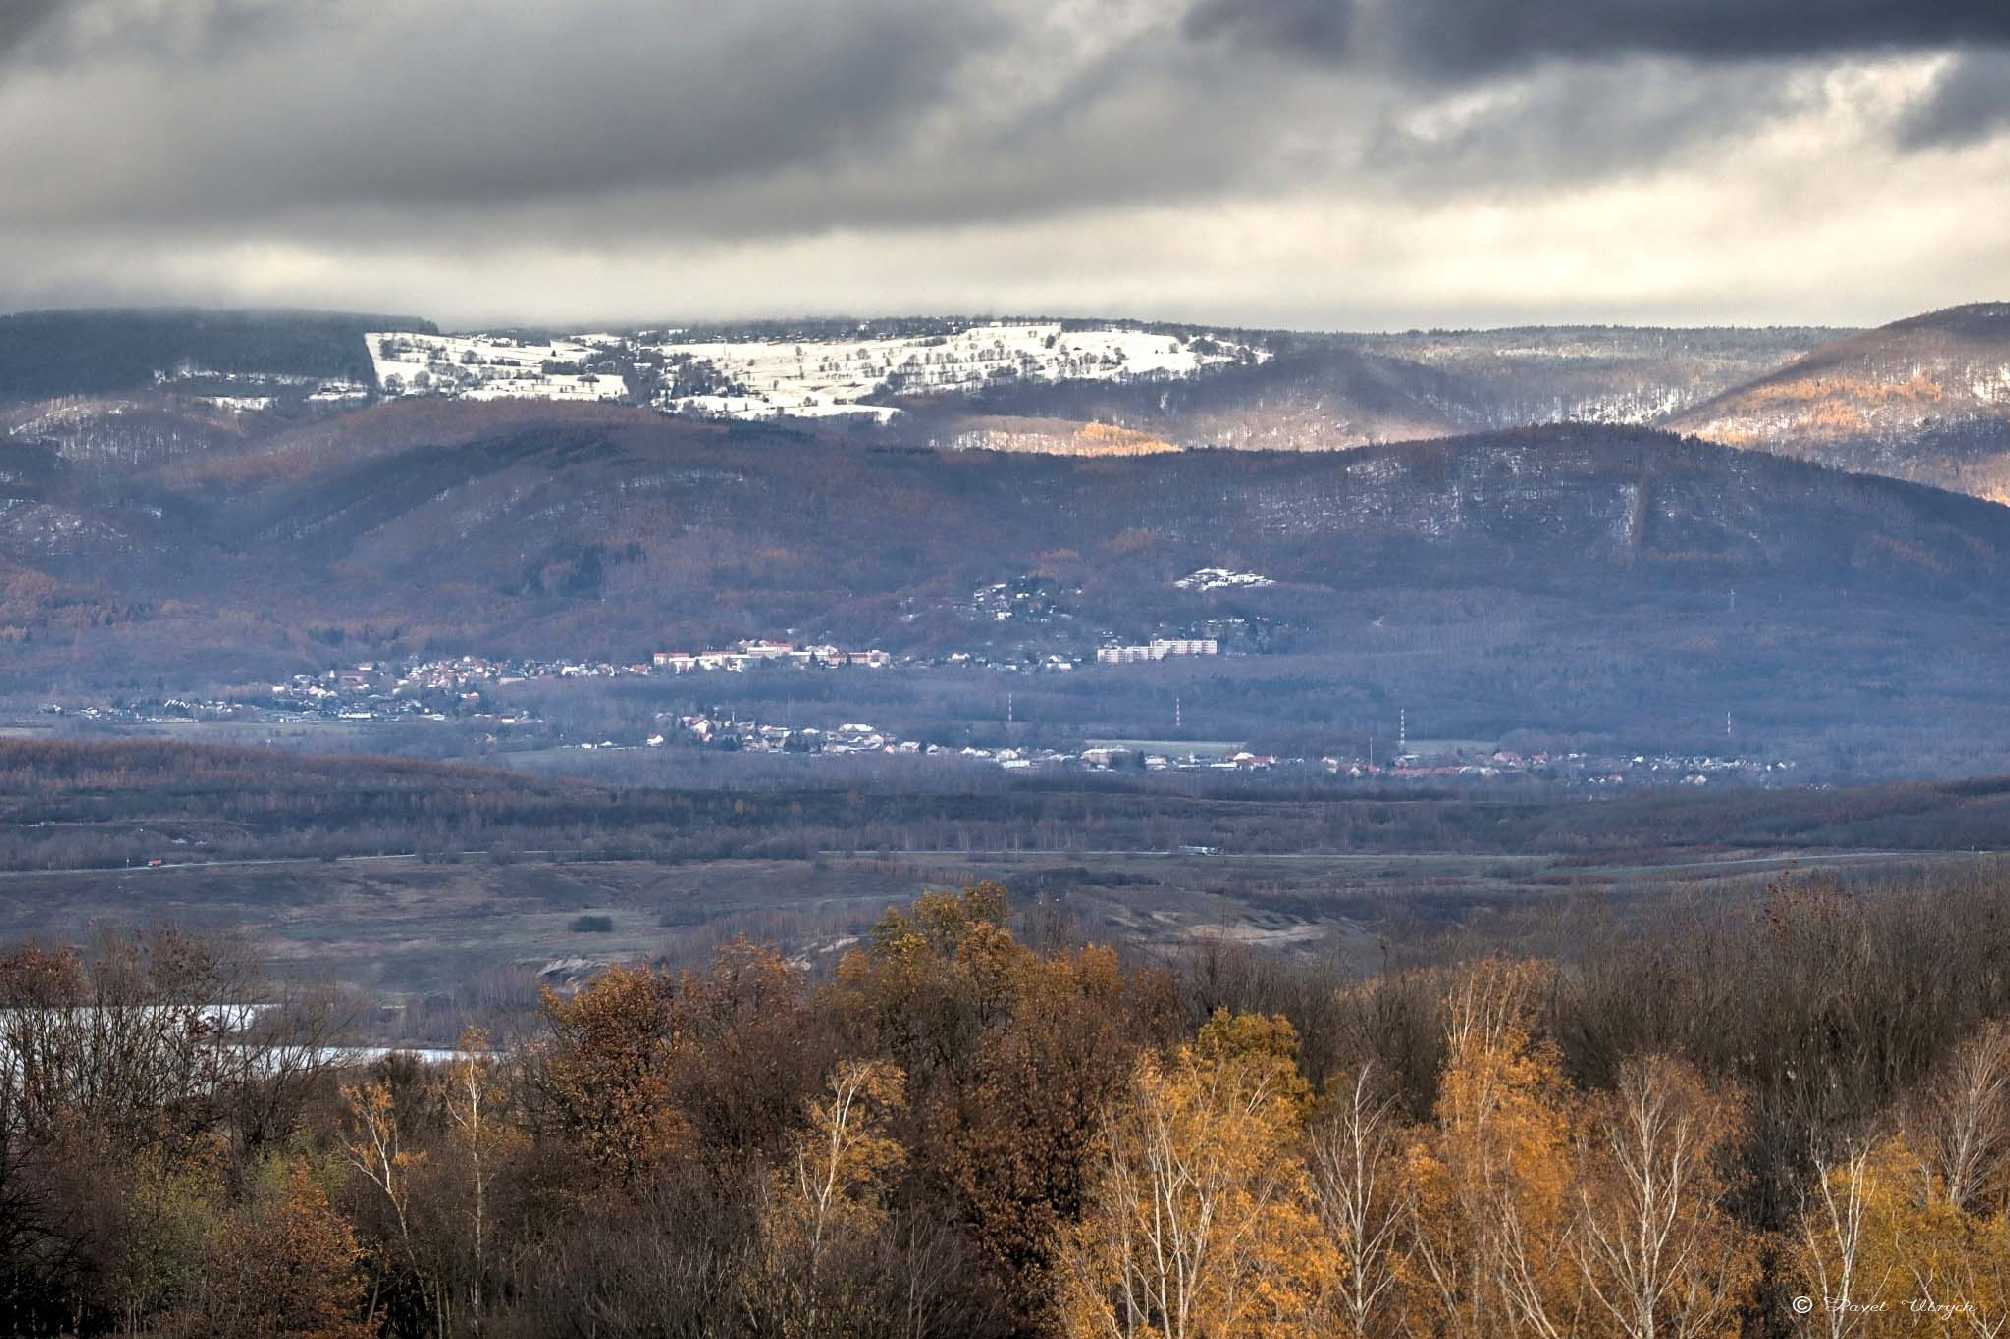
[[1313, 163]]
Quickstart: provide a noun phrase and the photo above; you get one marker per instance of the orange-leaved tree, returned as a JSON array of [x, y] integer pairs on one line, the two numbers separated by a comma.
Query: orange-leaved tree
[[1012, 1057], [1488, 1185], [1883, 1250], [1019, 1138], [605, 1077], [283, 1264]]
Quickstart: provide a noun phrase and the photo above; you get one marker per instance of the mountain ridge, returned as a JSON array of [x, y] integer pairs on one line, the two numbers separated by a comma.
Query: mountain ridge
[[1925, 398]]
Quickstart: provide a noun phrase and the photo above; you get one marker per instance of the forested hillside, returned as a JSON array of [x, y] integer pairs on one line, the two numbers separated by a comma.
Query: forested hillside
[[1926, 398], [54, 353]]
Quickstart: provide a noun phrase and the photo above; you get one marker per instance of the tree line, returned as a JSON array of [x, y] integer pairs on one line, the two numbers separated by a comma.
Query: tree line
[[70, 805], [1796, 1121]]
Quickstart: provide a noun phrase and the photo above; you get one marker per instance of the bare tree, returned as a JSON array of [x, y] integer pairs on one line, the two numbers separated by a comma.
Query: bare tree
[[1834, 1247], [1658, 1254], [1355, 1152], [157, 1037], [1960, 1123]]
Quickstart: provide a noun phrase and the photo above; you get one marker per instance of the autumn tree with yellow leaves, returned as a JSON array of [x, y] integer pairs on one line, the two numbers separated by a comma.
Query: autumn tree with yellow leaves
[[1355, 1150], [826, 1200], [1203, 1224], [1488, 1184], [1908, 1233], [958, 1134]]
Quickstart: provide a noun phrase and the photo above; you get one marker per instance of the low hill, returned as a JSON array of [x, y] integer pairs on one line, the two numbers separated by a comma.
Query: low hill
[[1314, 395], [1926, 398], [1338, 392], [1518, 376], [525, 509]]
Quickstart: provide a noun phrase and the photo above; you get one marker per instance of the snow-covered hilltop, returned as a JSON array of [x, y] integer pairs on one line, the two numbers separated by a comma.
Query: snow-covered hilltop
[[492, 367], [769, 378], [766, 379]]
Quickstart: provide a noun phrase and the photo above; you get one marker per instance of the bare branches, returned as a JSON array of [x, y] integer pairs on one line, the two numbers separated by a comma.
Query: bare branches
[[1356, 1163]]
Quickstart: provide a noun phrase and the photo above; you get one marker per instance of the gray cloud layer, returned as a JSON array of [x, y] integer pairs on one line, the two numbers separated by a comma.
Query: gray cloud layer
[[1244, 158], [1970, 103], [1463, 38]]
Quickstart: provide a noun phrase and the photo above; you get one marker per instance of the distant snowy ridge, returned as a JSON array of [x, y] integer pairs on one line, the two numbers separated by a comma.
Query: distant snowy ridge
[[489, 367], [828, 377], [755, 379]]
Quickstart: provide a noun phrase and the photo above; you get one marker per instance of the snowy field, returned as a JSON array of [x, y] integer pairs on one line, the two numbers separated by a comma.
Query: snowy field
[[488, 367], [832, 377], [752, 379]]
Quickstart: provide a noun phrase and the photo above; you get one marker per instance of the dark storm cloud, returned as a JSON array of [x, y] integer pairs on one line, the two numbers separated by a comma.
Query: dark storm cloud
[[1320, 27], [1969, 104], [21, 19], [1560, 127], [483, 155], [465, 104], [337, 120], [58, 35], [1466, 38]]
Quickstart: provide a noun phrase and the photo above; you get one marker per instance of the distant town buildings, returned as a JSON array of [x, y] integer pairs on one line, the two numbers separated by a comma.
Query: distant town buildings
[[1222, 578], [1158, 649], [758, 653], [472, 691]]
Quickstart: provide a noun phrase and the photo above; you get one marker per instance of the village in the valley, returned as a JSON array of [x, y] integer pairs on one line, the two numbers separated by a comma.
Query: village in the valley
[[464, 689]]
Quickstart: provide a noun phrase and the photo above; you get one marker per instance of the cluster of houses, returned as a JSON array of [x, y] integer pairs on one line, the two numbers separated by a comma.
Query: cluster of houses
[[339, 392], [455, 688], [761, 654], [374, 691], [1473, 760], [748, 736], [1029, 599], [1222, 578], [1171, 758], [1158, 649], [859, 737], [378, 690]]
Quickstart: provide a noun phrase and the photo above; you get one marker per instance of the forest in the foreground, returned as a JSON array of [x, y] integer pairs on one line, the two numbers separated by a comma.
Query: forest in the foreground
[[1789, 1121]]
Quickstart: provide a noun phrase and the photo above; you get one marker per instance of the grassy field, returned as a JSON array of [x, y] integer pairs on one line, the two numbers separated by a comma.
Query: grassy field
[[404, 928], [410, 881]]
